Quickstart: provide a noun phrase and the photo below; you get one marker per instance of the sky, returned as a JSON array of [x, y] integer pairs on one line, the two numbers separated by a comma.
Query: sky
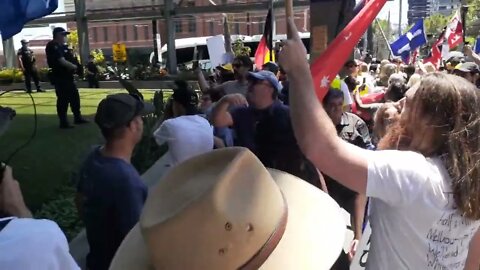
[[394, 8]]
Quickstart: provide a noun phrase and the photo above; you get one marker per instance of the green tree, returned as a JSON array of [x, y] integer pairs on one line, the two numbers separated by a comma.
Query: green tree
[[72, 40], [98, 57], [385, 26], [239, 48], [435, 23], [473, 13]]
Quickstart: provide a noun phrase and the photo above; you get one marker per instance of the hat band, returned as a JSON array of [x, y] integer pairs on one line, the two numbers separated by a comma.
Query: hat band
[[264, 252]]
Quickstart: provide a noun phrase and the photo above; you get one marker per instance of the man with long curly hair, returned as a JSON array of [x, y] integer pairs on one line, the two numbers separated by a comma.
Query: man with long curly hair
[[425, 192]]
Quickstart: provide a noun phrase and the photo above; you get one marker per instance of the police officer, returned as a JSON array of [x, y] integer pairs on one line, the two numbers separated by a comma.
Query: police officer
[[63, 66], [27, 62]]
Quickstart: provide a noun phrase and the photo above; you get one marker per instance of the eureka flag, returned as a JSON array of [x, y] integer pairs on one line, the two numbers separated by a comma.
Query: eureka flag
[[414, 38]]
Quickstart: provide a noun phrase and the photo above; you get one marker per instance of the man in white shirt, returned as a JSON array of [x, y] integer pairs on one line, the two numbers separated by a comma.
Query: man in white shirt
[[425, 199], [27, 243], [187, 133]]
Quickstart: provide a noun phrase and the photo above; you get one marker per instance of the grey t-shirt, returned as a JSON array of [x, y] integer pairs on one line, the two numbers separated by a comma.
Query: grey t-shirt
[[235, 87]]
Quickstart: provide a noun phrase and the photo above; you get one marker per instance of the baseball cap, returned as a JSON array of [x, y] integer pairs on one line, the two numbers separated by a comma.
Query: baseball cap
[[468, 67], [119, 109], [60, 30], [265, 75], [226, 67], [271, 66], [184, 94], [24, 41]]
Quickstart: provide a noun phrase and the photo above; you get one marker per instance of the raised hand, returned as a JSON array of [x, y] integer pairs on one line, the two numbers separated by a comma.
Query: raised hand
[[293, 56]]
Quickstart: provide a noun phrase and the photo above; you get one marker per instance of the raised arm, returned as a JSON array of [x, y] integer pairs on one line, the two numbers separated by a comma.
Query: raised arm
[[469, 51], [315, 133], [221, 116], [202, 82], [473, 258]]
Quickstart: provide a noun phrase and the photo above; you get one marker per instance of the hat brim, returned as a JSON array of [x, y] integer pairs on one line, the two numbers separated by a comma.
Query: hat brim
[[464, 70], [255, 76], [148, 108], [313, 239]]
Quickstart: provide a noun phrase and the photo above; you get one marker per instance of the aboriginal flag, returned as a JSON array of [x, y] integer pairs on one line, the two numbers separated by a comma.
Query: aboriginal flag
[[264, 49]]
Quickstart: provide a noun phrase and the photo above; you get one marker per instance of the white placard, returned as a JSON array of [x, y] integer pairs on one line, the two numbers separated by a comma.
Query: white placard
[[216, 49], [359, 262]]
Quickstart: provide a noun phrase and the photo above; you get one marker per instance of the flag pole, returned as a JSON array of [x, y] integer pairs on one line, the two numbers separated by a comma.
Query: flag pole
[[272, 29], [288, 14], [464, 11], [384, 37]]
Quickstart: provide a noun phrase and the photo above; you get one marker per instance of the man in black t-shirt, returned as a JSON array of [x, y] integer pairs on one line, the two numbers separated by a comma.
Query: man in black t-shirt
[[27, 62], [60, 60], [92, 73]]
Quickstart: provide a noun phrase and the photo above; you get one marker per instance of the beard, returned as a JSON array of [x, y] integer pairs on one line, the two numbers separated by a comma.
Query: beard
[[396, 138]]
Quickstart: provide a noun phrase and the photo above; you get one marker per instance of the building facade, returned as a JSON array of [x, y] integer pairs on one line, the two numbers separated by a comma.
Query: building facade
[[445, 7], [418, 9]]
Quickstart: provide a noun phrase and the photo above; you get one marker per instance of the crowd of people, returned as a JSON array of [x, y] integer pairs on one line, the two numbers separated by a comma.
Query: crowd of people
[[396, 146]]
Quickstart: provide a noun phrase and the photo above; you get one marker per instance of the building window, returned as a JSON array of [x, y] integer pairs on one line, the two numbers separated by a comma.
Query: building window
[[261, 27], [105, 33], [237, 28], [124, 30], [94, 34], [135, 32], [178, 26], [211, 27], [192, 25], [146, 30]]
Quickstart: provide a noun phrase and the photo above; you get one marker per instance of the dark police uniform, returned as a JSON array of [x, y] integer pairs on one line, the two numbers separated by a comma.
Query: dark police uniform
[[93, 76], [63, 80], [30, 72]]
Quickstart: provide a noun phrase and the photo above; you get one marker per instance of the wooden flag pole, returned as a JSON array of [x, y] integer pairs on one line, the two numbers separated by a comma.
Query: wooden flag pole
[[288, 15]]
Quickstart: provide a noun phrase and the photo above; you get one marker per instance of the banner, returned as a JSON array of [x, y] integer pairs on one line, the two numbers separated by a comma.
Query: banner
[[359, 261]]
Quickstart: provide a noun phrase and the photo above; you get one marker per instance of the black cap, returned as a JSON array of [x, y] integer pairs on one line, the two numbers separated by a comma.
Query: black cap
[[60, 30], [119, 109], [468, 67], [24, 41], [271, 66], [185, 95]]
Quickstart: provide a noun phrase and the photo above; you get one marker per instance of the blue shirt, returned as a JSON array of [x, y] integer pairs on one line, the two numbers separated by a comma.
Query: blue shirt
[[269, 135], [114, 195]]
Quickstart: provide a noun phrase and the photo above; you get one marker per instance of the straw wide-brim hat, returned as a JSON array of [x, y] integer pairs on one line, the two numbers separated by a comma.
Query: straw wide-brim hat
[[225, 210]]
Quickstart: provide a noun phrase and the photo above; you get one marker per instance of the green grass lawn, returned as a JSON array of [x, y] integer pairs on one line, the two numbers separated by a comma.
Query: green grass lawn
[[48, 162]]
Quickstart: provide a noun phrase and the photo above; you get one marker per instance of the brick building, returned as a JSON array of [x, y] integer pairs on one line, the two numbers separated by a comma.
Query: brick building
[[138, 35]]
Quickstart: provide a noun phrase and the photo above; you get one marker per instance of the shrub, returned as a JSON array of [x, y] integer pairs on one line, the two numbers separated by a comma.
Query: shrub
[[147, 152], [63, 211], [43, 74], [11, 75]]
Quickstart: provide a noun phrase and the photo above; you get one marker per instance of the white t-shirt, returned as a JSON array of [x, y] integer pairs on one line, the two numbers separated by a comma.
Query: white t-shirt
[[36, 244], [347, 98], [414, 223], [187, 136]]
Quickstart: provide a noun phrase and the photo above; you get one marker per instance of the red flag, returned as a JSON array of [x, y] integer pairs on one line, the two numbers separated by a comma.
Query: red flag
[[454, 32], [325, 68], [262, 54], [436, 54]]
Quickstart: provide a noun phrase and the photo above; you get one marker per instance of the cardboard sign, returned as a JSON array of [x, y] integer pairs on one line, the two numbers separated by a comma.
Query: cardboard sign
[[359, 262], [119, 52], [216, 50]]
